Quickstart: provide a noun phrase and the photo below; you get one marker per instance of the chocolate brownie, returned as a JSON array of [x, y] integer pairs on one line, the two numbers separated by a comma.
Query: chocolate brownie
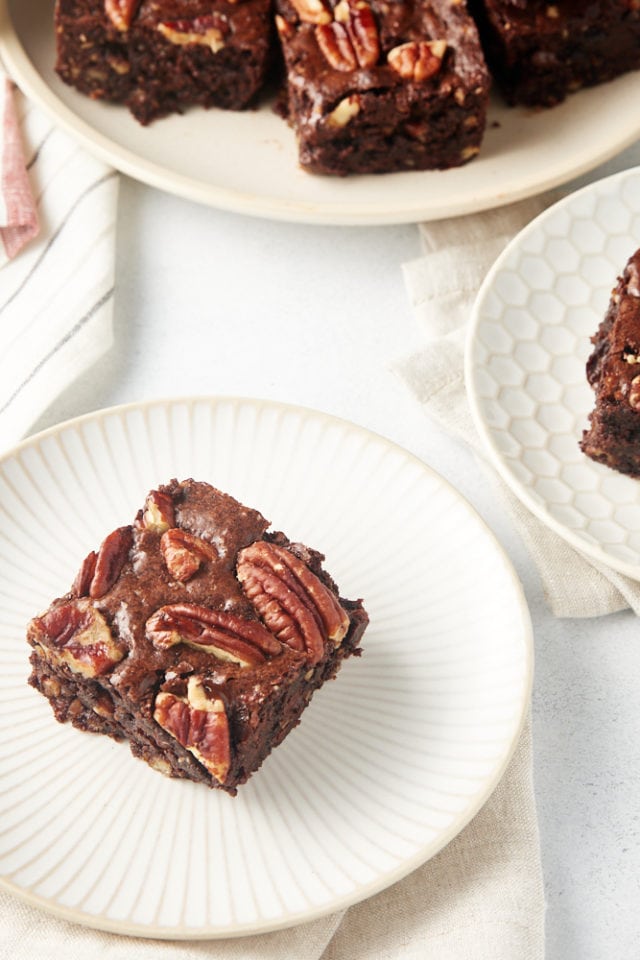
[[161, 56], [196, 634], [613, 370], [539, 51], [373, 87]]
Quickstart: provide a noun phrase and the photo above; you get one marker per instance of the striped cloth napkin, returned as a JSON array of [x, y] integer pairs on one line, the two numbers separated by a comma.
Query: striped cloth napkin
[[57, 226]]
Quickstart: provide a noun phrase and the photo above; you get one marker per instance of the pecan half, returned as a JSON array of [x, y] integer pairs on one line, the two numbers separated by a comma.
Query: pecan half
[[200, 724], [333, 41], [99, 571], [358, 18], [111, 558], [417, 60], [351, 40], [219, 632], [312, 11], [209, 30], [82, 583], [158, 513], [293, 602], [121, 12], [184, 553], [76, 634]]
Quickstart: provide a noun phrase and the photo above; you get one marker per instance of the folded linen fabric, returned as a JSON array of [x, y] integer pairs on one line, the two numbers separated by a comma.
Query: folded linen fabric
[[442, 286], [56, 285]]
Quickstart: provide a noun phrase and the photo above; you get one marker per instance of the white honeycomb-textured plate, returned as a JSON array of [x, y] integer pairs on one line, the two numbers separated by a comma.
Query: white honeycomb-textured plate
[[525, 366], [390, 760]]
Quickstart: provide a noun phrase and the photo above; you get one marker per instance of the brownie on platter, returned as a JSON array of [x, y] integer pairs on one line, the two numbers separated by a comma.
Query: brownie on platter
[[195, 634], [378, 86], [161, 56], [539, 51], [613, 370]]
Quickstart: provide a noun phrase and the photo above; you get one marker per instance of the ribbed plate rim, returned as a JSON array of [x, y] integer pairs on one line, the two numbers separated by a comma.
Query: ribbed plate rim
[[183, 932]]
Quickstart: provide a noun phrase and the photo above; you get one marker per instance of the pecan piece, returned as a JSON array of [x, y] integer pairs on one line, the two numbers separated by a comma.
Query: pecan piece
[[345, 111], [158, 513], [184, 553], [82, 583], [199, 723], [76, 634], [361, 26], [417, 60], [284, 27], [110, 560], [336, 48], [293, 602], [633, 278], [225, 635], [351, 40], [312, 11], [99, 571], [121, 12], [634, 394], [209, 30]]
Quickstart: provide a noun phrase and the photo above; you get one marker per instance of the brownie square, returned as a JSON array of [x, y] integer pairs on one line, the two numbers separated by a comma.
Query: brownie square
[[373, 87], [162, 56], [613, 370], [540, 51], [195, 634]]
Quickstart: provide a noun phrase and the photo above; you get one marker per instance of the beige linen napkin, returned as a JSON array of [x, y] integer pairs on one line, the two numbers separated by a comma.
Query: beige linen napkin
[[442, 285], [56, 285]]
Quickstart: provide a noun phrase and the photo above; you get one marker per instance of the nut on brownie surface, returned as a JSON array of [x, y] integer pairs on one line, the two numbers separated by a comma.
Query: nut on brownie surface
[[195, 634]]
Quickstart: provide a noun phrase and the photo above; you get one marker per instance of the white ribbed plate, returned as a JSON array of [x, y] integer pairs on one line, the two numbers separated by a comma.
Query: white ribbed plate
[[390, 761], [528, 344]]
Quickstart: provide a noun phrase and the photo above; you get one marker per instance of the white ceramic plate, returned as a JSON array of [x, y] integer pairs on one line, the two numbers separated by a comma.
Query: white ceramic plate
[[390, 761], [529, 341], [247, 162]]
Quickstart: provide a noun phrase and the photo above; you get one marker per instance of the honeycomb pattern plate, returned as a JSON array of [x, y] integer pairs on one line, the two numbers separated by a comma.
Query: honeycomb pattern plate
[[390, 760], [525, 366]]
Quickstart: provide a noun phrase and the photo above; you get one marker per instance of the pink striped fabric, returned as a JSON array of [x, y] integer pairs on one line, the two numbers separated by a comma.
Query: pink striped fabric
[[18, 213], [56, 280]]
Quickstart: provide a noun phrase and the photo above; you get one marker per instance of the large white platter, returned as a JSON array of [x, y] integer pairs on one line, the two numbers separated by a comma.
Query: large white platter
[[247, 162], [528, 345], [390, 761]]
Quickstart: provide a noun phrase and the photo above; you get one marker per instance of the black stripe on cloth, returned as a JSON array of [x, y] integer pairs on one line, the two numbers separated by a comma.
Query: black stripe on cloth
[[38, 149], [61, 343], [54, 236]]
